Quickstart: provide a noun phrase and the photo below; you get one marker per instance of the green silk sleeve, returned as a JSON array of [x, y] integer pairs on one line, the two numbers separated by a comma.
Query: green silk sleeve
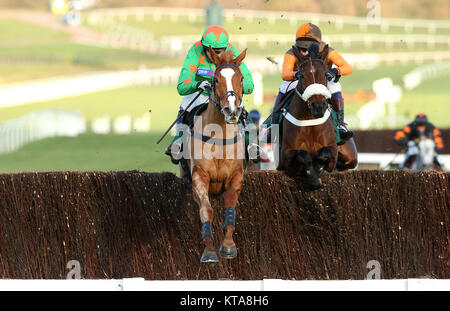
[[187, 83]]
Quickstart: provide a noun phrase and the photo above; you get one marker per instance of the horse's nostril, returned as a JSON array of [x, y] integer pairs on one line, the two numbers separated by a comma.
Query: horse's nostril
[[226, 110]]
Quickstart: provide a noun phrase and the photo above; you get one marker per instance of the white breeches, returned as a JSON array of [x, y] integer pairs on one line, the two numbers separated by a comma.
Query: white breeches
[[286, 86]]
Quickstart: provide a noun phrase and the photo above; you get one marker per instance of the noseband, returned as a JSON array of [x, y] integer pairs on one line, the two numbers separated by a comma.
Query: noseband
[[216, 100], [313, 89]]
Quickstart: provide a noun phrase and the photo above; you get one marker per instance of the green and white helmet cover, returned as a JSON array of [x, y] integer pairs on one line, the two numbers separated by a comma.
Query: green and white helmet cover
[[216, 37]]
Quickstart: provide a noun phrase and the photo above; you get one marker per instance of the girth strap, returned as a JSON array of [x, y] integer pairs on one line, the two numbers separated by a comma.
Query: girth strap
[[217, 141]]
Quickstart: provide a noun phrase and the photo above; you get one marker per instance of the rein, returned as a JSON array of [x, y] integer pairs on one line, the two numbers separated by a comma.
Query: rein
[[217, 141], [300, 80]]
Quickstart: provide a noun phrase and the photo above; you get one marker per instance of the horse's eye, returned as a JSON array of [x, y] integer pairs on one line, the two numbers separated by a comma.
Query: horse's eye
[[215, 80]]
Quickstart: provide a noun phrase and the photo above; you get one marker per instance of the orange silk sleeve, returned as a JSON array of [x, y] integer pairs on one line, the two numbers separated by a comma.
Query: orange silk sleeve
[[288, 67], [438, 139], [343, 67]]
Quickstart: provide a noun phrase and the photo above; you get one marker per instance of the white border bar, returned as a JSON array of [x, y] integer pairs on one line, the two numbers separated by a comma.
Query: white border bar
[[139, 284]]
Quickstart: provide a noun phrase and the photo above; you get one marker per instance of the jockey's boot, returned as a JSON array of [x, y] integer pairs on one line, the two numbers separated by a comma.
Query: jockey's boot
[[175, 148], [337, 102], [436, 164]]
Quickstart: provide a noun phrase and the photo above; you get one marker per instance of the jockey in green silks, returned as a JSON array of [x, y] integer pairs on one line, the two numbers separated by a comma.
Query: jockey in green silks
[[197, 73]]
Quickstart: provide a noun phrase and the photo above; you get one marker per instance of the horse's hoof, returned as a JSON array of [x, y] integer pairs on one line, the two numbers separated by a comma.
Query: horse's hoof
[[228, 252], [315, 186], [209, 257]]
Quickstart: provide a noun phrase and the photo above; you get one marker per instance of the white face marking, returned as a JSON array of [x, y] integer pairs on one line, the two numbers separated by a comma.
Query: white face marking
[[228, 73]]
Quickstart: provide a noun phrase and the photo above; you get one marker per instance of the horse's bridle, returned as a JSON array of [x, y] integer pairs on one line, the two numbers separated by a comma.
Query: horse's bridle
[[310, 90], [216, 100], [300, 80]]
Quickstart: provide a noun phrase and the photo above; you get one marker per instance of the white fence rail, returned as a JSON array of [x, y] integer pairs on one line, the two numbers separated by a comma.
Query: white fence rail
[[39, 125], [414, 78], [119, 34], [294, 18], [180, 44], [382, 160], [49, 123], [49, 89]]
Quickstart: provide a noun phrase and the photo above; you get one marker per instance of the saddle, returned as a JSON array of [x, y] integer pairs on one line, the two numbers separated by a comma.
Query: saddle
[[189, 117]]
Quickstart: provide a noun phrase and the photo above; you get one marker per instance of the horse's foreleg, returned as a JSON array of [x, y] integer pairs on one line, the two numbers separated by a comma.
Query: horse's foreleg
[[288, 163], [303, 159], [323, 159], [232, 190], [200, 187]]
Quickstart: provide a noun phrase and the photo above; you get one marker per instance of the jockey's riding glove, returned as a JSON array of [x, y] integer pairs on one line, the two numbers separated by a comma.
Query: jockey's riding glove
[[331, 74], [204, 85], [298, 75]]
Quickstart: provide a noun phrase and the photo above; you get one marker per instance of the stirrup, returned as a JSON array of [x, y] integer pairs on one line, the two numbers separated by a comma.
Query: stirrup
[[256, 153], [168, 152]]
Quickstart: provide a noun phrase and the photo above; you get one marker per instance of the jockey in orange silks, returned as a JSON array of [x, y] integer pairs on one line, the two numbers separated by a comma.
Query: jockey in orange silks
[[306, 35]]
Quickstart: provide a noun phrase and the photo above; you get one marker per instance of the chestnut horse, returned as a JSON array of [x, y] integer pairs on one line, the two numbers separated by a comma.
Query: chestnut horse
[[308, 144], [216, 164]]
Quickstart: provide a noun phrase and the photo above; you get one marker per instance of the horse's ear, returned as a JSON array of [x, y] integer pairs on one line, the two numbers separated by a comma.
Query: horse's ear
[[313, 50], [297, 53], [214, 56], [238, 60], [324, 53]]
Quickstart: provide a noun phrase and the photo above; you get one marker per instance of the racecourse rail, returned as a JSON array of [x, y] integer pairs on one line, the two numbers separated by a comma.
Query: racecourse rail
[[118, 34], [294, 18]]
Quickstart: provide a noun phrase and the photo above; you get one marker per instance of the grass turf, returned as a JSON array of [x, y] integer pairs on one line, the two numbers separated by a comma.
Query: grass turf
[[90, 152]]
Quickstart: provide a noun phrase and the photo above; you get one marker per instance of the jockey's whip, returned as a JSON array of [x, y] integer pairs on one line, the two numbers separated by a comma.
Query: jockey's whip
[[268, 118], [179, 117], [395, 156]]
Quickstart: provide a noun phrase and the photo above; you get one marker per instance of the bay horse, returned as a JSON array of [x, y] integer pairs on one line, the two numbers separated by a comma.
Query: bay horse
[[216, 164], [308, 143]]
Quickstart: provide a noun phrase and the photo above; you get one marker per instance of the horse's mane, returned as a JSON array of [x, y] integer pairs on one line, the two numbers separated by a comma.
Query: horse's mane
[[227, 57]]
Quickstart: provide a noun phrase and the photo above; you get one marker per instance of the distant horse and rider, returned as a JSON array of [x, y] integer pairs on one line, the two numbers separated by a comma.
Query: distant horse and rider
[[423, 141]]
